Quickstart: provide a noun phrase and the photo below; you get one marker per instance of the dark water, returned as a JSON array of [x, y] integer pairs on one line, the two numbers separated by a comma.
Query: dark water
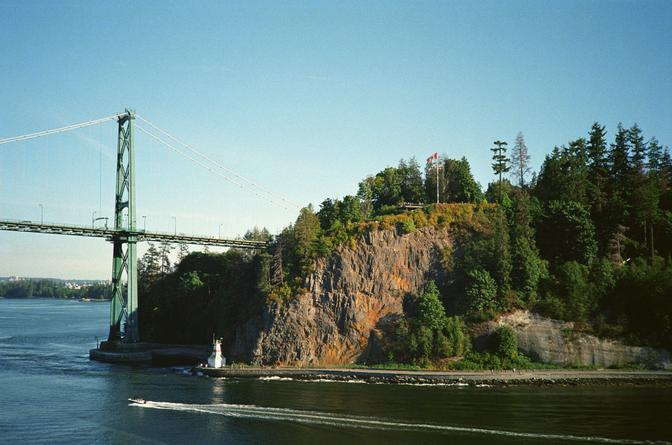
[[51, 393]]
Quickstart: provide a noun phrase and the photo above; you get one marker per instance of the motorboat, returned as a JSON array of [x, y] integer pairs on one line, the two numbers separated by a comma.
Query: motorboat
[[137, 400]]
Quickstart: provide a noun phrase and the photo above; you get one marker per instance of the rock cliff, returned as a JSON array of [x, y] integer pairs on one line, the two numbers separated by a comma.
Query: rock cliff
[[349, 295], [346, 296], [555, 341]]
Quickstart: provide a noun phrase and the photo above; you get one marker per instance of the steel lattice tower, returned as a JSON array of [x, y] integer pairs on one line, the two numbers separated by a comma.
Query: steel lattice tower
[[124, 305]]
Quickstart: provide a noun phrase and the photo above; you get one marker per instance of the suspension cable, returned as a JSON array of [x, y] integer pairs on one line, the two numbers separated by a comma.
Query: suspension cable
[[270, 194], [207, 167], [58, 130]]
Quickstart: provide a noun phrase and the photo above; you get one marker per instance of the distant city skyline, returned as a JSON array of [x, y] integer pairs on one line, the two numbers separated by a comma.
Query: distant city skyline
[[304, 99]]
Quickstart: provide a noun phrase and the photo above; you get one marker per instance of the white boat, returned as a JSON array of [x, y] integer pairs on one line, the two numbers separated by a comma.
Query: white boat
[[137, 400]]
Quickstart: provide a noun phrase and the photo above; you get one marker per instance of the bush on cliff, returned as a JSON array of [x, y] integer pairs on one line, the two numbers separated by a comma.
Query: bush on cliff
[[506, 343], [425, 334]]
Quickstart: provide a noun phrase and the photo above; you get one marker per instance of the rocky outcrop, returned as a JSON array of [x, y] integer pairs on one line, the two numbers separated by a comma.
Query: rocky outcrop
[[344, 300], [555, 341], [353, 293]]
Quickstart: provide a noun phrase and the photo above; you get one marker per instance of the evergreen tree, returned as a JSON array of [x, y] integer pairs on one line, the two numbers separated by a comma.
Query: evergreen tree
[[257, 234], [527, 267], [182, 252], [655, 156], [638, 148], [564, 174], [349, 210], [551, 181], [328, 213], [566, 233], [365, 196], [619, 161], [481, 291], [643, 190], [149, 266], [597, 150], [520, 160], [575, 160], [598, 183], [501, 162], [164, 252], [460, 184], [411, 181], [666, 168], [386, 189], [306, 231], [431, 313]]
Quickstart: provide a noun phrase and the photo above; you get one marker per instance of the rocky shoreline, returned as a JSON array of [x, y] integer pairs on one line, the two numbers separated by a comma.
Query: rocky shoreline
[[454, 378]]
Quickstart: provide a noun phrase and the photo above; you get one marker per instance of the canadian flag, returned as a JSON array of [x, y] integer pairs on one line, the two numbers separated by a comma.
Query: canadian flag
[[433, 157]]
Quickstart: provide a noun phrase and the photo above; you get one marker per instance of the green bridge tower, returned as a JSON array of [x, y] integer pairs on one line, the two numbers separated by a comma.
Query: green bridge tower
[[124, 305]]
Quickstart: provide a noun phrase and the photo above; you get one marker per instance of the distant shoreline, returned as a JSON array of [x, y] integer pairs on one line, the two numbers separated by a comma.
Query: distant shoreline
[[448, 378]]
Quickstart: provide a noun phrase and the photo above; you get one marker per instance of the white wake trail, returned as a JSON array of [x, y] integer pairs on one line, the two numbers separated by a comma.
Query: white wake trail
[[323, 418]]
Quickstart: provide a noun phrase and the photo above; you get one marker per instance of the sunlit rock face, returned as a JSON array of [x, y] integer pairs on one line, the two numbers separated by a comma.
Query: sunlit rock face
[[556, 341], [346, 298]]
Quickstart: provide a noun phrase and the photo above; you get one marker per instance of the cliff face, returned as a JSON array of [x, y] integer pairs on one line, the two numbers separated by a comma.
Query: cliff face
[[555, 341], [347, 296], [354, 291]]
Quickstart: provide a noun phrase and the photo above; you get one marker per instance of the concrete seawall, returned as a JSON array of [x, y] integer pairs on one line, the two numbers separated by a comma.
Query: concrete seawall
[[149, 353]]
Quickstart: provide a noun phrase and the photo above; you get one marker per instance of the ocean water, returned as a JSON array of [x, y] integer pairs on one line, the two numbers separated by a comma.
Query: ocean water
[[50, 392]]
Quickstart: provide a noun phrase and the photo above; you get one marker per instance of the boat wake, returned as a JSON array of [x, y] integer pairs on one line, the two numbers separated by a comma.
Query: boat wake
[[339, 420]]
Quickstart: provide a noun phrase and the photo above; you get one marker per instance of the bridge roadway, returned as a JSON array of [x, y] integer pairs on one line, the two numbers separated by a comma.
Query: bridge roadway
[[112, 234]]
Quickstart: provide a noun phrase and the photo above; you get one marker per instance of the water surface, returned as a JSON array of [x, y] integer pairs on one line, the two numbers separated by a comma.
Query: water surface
[[50, 392]]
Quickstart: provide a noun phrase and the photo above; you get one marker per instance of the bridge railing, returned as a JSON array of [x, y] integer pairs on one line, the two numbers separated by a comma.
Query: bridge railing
[[112, 234]]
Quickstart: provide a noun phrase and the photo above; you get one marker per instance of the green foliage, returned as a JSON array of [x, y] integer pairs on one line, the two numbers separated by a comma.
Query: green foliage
[[566, 233], [425, 334], [475, 361], [190, 282], [528, 269], [281, 294], [501, 164], [459, 342], [506, 342], [482, 291], [489, 250], [411, 181], [460, 184], [576, 292], [431, 313], [407, 226], [641, 302], [205, 294]]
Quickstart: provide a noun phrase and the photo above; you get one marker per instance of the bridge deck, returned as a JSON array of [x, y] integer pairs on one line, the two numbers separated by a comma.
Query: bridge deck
[[140, 235]]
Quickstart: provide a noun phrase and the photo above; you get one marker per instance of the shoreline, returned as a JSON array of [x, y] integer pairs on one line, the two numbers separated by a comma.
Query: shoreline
[[457, 378]]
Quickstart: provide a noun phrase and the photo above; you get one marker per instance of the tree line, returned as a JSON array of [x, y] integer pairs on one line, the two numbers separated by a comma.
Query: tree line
[[46, 288]]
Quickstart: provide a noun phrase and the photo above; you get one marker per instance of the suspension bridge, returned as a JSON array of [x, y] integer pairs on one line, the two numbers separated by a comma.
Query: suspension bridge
[[124, 235]]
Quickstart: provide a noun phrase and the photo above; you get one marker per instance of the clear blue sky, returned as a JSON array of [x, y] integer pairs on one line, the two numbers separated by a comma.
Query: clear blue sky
[[305, 98]]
